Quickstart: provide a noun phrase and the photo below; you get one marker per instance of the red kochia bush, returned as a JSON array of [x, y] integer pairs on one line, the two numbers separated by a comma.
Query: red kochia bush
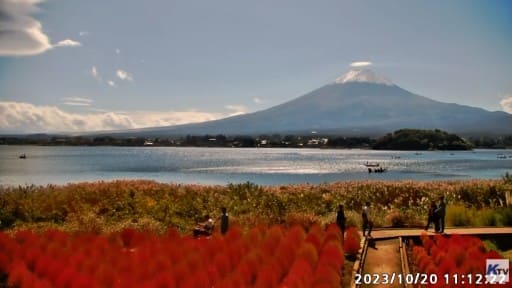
[[331, 255], [268, 276], [325, 276], [223, 264], [263, 257], [128, 236], [308, 253], [352, 241], [315, 241], [456, 254], [353, 233], [300, 275]]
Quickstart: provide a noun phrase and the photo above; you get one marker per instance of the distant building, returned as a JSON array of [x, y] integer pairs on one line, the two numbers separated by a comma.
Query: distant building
[[317, 141]]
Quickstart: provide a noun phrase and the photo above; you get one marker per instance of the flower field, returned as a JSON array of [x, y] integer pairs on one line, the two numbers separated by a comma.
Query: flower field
[[261, 257], [452, 256]]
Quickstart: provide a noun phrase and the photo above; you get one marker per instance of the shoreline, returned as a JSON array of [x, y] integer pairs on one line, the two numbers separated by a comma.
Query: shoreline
[[365, 148], [353, 181]]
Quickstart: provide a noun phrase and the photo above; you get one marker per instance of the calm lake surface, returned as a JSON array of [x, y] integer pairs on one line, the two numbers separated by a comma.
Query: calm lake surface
[[265, 166]]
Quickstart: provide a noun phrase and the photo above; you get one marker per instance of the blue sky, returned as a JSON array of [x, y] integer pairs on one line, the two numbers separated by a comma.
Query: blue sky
[[70, 65]]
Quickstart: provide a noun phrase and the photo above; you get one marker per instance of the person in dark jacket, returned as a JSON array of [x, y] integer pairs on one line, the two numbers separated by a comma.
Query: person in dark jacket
[[441, 213], [432, 216], [224, 221], [340, 219]]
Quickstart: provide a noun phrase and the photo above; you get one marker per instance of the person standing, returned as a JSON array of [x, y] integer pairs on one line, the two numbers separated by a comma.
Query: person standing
[[340, 219], [432, 216], [441, 212], [367, 223], [224, 221]]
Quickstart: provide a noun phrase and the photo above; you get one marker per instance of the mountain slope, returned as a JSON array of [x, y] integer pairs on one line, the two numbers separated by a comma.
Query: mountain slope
[[357, 103]]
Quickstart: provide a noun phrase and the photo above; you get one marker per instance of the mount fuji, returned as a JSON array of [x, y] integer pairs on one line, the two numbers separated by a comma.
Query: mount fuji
[[358, 103]]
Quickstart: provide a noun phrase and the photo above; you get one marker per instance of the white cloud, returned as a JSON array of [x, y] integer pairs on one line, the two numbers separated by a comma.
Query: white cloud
[[361, 64], [257, 100], [19, 117], [111, 83], [83, 33], [20, 33], [123, 75], [118, 51], [67, 43], [237, 109], [76, 101], [506, 103], [25, 117], [94, 73]]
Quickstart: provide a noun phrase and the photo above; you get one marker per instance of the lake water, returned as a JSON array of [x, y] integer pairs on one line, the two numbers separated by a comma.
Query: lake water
[[265, 166]]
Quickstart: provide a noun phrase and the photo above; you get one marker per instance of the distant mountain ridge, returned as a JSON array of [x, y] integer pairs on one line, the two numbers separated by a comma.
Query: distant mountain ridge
[[358, 103]]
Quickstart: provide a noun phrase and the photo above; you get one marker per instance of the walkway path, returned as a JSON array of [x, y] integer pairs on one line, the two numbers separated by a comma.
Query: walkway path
[[385, 260], [391, 233]]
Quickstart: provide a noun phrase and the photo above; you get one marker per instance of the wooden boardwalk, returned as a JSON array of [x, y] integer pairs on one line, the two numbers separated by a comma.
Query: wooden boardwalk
[[407, 232]]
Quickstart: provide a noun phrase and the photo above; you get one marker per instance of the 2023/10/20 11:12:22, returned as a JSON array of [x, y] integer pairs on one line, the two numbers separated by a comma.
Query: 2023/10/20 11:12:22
[[473, 279], [428, 279]]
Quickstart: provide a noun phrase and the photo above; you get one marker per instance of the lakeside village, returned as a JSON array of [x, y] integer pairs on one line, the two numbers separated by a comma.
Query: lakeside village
[[404, 139]]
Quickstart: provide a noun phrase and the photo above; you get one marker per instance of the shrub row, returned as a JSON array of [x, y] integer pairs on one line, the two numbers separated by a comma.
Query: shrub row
[[262, 257]]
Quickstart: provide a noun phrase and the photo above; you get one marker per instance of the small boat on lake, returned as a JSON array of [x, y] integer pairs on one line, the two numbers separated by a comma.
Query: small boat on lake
[[23, 156], [369, 164], [377, 170]]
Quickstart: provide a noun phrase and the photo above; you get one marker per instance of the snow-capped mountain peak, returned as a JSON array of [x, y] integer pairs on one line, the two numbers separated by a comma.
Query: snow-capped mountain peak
[[363, 75]]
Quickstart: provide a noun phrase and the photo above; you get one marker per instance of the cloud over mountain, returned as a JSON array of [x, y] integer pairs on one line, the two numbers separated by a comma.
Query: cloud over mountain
[[360, 64], [506, 104], [362, 75]]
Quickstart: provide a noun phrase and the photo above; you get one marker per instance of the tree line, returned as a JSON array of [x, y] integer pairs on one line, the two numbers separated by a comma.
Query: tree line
[[404, 139]]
